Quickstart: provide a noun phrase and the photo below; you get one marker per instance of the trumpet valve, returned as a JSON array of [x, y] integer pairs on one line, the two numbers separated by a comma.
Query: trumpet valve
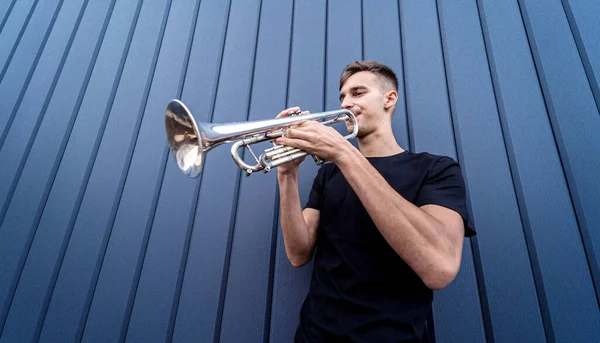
[[276, 151]]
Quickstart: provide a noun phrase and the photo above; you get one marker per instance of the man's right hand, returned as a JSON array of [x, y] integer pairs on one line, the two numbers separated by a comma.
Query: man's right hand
[[290, 168]]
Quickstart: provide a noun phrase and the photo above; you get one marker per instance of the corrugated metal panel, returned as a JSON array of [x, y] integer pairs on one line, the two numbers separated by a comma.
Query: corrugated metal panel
[[102, 238], [429, 115], [482, 154], [550, 225]]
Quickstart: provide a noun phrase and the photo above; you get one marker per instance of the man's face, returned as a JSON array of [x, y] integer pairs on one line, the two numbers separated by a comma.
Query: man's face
[[363, 95]]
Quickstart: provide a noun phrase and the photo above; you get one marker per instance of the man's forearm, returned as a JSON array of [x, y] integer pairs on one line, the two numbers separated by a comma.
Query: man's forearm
[[417, 237], [297, 239]]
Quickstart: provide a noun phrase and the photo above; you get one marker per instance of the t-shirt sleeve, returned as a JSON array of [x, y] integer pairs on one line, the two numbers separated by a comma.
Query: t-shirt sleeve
[[444, 186], [314, 199]]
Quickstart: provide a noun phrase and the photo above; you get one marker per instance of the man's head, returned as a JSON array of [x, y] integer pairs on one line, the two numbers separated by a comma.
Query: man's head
[[370, 90], [385, 75]]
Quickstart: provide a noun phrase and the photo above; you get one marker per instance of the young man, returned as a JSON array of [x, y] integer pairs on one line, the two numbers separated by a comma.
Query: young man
[[387, 224]]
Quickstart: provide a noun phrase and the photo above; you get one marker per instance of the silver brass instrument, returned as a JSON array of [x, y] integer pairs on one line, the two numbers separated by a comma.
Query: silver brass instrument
[[190, 140]]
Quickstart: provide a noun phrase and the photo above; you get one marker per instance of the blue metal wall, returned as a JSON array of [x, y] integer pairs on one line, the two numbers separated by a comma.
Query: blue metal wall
[[102, 238]]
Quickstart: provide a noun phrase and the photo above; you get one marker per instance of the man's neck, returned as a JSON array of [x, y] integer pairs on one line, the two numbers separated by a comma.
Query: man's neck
[[379, 144]]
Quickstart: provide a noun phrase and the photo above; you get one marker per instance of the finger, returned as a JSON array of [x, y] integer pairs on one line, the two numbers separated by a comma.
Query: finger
[[303, 124], [307, 123], [293, 142], [296, 125], [287, 111], [300, 113], [298, 133], [312, 126]]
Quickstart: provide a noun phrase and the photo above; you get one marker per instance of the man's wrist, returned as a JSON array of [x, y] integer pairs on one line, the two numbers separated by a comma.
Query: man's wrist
[[345, 155], [287, 175]]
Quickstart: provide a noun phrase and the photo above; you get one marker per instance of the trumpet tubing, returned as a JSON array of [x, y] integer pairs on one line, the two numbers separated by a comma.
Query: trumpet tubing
[[190, 140]]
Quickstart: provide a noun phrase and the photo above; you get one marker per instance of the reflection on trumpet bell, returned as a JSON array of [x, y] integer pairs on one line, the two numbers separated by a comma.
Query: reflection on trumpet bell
[[189, 140], [184, 139]]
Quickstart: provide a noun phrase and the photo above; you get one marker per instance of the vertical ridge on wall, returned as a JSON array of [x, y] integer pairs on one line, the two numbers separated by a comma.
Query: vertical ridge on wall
[[9, 155], [362, 31], [430, 121], [185, 254], [21, 215], [19, 131], [5, 36], [408, 142], [484, 302], [124, 252], [229, 236], [305, 88], [34, 42], [37, 277], [41, 82], [143, 306], [325, 53], [5, 12], [585, 30], [236, 194], [78, 293], [567, 91], [551, 228], [123, 176], [344, 44], [199, 310], [478, 134], [10, 173], [381, 25], [247, 304], [275, 236], [512, 166]]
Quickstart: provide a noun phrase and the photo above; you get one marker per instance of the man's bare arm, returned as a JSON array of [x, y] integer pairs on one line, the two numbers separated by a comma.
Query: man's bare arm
[[429, 239], [299, 227]]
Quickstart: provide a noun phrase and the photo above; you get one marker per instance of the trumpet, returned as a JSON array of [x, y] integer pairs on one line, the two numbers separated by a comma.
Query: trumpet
[[190, 140]]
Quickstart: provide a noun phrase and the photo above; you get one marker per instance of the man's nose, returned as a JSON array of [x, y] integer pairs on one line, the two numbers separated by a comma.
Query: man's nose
[[346, 105]]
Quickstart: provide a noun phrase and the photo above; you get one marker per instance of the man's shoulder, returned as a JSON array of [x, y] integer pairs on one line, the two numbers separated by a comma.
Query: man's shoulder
[[427, 156], [429, 160], [426, 164]]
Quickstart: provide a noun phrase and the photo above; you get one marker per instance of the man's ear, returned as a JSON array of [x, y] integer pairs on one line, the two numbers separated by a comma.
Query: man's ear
[[391, 98]]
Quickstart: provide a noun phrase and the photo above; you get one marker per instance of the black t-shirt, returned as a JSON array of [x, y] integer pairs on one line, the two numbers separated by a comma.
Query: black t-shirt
[[361, 290]]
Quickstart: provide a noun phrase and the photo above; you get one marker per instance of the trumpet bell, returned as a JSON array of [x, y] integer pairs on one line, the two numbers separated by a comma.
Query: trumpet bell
[[185, 140]]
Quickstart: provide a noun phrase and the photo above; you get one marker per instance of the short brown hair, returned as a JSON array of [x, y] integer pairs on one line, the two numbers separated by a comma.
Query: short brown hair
[[381, 70]]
